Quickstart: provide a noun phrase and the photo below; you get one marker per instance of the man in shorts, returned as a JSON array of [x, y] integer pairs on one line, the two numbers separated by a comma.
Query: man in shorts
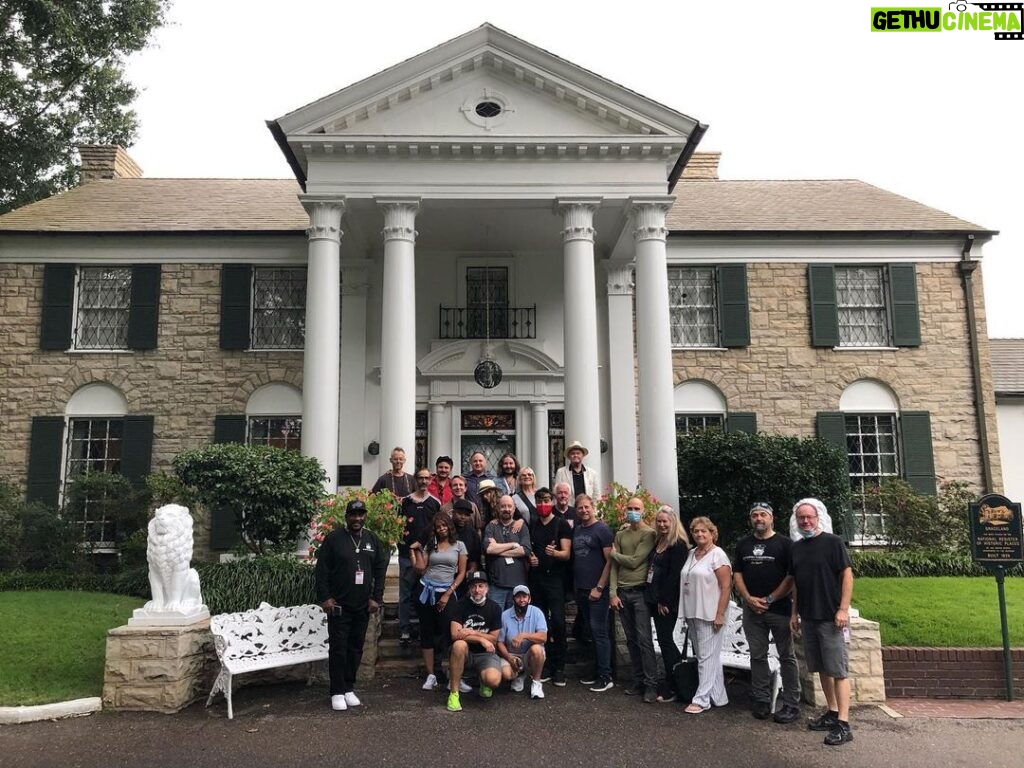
[[475, 626], [524, 630], [822, 590]]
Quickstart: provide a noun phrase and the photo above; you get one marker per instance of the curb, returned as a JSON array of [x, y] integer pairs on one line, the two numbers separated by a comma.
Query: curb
[[72, 708]]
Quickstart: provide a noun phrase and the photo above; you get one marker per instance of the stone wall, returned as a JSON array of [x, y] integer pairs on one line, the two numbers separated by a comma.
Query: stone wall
[[943, 673], [867, 683], [786, 382]]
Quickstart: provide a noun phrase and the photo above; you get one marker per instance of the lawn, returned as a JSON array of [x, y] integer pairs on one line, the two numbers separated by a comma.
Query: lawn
[[941, 612], [53, 643]]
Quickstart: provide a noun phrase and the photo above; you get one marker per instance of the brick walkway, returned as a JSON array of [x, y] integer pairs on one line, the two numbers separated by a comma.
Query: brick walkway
[[960, 708]]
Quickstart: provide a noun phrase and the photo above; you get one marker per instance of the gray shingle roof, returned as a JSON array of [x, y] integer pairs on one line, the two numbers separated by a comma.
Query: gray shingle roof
[[1007, 365]]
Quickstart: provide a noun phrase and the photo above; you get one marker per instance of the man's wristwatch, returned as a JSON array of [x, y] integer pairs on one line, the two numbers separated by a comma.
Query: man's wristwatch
[[599, 588], [769, 600]]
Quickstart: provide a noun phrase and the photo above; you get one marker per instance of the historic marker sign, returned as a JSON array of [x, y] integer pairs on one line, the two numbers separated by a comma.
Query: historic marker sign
[[997, 534]]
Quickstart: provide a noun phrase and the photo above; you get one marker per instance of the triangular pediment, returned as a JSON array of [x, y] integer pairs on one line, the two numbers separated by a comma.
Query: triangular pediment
[[437, 94]]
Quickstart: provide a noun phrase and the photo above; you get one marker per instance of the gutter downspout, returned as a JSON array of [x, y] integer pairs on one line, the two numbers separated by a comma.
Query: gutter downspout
[[967, 267]]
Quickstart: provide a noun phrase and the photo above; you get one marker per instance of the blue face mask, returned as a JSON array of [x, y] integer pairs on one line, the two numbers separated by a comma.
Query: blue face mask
[[808, 534], [634, 517]]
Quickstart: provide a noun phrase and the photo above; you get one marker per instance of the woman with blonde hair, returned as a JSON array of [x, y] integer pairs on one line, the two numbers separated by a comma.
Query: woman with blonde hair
[[662, 594], [706, 581], [524, 498]]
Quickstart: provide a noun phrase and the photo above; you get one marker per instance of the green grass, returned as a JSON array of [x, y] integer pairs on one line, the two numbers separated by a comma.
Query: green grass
[[943, 612], [52, 644]]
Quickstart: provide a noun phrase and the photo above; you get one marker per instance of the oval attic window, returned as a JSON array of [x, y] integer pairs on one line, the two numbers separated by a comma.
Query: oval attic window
[[488, 109]]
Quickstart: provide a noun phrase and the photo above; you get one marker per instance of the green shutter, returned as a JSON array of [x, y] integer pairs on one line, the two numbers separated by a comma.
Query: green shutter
[[906, 323], [235, 298], [734, 312], [736, 421], [832, 429], [144, 314], [58, 306], [137, 448], [229, 429], [44, 456], [824, 316], [918, 461]]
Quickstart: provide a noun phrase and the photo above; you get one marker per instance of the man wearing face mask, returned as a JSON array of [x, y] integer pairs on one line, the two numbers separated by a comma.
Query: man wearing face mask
[[476, 623], [633, 545], [822, 591], [521, 641], [551, 538]]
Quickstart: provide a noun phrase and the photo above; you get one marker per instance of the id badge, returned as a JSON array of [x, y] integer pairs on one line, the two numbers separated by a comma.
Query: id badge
[[359, 576], [510, 561], [650, 574]]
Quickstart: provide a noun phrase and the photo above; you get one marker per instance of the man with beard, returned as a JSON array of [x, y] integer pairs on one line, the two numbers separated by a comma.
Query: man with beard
[[350, 570], [761, 576], [508, 467], [476, 623], [418, 509], [507, 552], [551, 542], [521, 641], [563, 509], [440, 483]]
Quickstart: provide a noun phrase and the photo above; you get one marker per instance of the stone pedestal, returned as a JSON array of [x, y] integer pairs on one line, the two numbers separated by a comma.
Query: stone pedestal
[[157, 669], [867, 683]]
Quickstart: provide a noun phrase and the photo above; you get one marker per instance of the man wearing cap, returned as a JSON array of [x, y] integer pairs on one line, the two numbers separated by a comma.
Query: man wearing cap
[[475, 626], [508, 551], [521, 641], [440, 482], [580, 478], [350, 570], [462, 517], [761, 576], [822, 591]]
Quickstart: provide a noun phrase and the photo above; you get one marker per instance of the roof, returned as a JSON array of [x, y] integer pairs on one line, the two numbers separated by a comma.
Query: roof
[[844, 205], [271, 205], [166, 205], [1007, 365]]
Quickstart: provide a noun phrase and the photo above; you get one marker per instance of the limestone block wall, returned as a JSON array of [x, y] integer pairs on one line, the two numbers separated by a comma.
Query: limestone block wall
[[867, 681], [786, 381]]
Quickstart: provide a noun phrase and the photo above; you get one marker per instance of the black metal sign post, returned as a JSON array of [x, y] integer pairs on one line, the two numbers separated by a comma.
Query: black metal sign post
[[997, 542]]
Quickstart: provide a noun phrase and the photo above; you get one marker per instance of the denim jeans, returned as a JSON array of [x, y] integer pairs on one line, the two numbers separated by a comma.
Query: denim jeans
[[500, 595], [636, 623], [595, 614]]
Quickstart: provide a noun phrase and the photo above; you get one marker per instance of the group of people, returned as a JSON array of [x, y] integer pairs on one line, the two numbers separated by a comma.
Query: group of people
[[488, 564]]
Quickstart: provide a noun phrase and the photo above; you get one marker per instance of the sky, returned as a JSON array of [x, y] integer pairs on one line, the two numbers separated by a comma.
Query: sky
[[790, 90]]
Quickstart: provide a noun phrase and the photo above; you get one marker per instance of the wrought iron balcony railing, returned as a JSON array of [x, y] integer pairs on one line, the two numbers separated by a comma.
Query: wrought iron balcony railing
[[481, 323]]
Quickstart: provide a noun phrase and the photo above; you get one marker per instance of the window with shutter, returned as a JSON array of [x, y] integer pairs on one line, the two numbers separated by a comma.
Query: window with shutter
[[708, 306], [864, 305]]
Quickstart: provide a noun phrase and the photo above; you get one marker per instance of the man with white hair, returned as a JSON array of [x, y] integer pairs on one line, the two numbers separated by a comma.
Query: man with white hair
[[822, 590]]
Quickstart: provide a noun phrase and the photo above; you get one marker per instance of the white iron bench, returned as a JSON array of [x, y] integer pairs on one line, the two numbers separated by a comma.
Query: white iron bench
[[266, 638], [736, 651]]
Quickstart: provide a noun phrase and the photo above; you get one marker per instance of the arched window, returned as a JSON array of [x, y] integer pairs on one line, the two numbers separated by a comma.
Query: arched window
[[274, 416], [699, 405]]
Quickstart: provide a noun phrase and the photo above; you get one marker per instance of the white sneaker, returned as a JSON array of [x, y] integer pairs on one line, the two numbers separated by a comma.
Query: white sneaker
[[338, 703], [536, 690], [465, 687], [517, 683], [431, 682], [352, 700]]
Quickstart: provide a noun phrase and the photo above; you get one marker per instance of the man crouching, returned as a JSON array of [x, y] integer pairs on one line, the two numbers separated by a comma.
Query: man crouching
[[475, 626]]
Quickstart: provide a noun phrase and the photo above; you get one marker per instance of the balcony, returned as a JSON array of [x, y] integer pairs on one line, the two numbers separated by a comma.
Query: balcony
[[482, 323]]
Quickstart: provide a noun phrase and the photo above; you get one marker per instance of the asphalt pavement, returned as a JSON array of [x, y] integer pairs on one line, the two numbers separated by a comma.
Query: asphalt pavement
[[402, 725]]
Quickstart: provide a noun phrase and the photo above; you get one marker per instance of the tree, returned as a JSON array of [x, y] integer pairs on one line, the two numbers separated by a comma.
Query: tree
[[273, 493], [62, 83]]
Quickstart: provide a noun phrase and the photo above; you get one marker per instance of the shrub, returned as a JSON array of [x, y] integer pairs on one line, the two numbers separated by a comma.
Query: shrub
[[721, 475], [34, 537], [272, 492], [611, 507], [918, 562], [918, 521], [108, 496], [245, 583], [383, 517]]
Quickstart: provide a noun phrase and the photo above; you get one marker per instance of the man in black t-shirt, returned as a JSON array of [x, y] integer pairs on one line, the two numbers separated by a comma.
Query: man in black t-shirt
[[761, 574], [476, 623], [418, 510], [551, 537]]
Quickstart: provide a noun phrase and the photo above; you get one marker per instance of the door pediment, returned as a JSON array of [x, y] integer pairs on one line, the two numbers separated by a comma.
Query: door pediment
[[458, 359]]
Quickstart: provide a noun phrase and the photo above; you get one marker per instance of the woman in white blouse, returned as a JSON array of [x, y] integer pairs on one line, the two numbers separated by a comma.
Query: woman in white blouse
[[704, 586]]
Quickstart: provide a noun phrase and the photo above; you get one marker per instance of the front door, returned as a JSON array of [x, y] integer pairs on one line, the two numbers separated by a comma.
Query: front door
[[491, 432]]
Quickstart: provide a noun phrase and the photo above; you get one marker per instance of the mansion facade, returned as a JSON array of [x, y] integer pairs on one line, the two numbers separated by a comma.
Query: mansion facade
[[488, 248]]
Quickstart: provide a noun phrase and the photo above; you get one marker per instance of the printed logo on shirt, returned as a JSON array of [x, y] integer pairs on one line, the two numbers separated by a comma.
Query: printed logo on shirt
[[475, 623]]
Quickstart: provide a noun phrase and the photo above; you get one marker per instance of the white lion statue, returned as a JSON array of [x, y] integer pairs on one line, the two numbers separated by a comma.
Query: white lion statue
[[175, 586]]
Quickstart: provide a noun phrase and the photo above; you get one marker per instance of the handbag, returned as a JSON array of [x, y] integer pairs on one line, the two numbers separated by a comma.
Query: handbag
[[684, 675]]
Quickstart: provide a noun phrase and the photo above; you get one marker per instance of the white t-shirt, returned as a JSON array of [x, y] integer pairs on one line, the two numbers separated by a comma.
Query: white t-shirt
[[698, 584]]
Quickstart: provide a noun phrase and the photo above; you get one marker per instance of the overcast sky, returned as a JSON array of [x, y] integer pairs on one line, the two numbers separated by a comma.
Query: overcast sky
[[789, 89]]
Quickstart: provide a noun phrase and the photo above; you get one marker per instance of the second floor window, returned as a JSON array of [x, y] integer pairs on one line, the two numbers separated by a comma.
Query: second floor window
[[102, 308], [693, 306], [861, 303], [278, 307]]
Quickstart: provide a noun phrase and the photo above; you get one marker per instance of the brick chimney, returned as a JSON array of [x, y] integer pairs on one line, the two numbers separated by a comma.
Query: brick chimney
[[703, 166], [105, 162]]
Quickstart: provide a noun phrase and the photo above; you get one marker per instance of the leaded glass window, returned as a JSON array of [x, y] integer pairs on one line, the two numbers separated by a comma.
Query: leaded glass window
[[276, 431], [693, 306], [861, 302], [487, 302], [94, 445], [278, 307], [688, 423], [873, 454], [103, 305]]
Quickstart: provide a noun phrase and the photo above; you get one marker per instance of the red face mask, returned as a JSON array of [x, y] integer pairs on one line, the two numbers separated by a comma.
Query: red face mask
[[544, 510]]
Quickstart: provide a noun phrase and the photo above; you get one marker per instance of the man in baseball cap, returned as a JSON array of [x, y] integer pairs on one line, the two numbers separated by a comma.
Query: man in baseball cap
[[476, 623], [524, 630]]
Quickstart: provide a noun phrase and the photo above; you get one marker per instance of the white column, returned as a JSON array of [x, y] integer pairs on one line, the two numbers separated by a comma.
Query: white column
[[353, 439], [539, 442], [658, 470], [320, 383], [439, 435], [582, 398], [398, 330], [622, 384]]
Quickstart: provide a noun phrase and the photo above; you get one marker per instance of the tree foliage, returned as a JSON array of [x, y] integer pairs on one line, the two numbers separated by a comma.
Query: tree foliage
[[273, 493], [721, 475], [62, 83], [921, 522]]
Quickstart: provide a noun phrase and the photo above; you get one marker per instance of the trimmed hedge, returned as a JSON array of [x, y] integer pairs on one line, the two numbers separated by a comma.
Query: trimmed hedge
[[899, 563]]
